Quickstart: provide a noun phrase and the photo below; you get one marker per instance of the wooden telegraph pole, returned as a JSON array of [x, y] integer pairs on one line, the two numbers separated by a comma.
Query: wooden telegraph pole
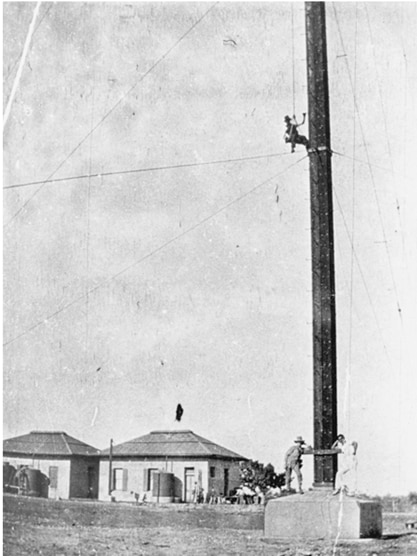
[[324, 308], [110, 488]]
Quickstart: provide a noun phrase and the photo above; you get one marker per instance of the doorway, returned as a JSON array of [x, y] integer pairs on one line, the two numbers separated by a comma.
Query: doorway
[[189, 479], [92, 482], [226, 482]]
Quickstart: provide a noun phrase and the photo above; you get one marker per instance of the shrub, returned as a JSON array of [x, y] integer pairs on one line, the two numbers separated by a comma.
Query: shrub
[[412, 498], [255, 474]]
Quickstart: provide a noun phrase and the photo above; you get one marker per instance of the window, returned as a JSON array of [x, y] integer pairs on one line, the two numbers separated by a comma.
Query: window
[[119, 479], [150, 478], [212, 472], [53, 476]]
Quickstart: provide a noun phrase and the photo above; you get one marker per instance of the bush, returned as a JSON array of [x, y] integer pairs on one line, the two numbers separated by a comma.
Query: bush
[[256, 474], [412, 498]]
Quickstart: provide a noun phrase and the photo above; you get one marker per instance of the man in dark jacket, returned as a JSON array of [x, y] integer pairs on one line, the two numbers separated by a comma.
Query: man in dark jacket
[[291, 133]]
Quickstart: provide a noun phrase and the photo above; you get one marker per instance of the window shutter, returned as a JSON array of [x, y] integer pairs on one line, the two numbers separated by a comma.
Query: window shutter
[[124, 487], [145, 480], [53, 476]]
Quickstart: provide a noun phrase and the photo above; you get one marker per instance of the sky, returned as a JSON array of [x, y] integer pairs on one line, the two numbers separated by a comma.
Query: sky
[[126, 293]]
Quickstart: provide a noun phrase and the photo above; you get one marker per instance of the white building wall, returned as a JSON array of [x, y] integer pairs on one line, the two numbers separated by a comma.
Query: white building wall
[[64, 466], [217, 482], [135, 479]]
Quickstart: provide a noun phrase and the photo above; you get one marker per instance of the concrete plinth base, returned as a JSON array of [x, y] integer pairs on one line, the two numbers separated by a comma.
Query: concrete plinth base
[[317, 514]]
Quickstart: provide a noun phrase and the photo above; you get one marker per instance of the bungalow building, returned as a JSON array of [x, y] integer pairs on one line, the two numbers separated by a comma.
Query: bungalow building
[[190, 460], [50, 464]]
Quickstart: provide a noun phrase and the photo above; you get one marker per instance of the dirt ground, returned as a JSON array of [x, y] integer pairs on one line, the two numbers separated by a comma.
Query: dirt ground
[[74, 528]]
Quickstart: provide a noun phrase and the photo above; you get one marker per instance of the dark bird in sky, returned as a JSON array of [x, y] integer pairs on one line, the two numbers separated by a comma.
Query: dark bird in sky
[[229, 42], [179, 412], [99, 369]]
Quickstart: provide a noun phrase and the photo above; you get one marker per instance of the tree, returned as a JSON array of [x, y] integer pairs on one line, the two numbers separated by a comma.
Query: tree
[[256, 474]]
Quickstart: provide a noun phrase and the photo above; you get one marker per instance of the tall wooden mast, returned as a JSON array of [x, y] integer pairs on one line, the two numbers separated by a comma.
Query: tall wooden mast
[[324, 308]]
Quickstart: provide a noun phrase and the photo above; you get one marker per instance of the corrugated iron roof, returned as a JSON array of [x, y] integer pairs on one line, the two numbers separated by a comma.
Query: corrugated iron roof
[[183, 443], [47, 443]]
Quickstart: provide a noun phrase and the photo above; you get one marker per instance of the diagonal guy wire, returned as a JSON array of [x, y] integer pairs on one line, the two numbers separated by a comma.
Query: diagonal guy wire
[[112, 110], [151, 253]]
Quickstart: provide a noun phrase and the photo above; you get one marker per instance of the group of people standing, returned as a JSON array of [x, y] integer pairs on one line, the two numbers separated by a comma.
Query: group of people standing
[[345, 480], [200, 497], [243, 495]]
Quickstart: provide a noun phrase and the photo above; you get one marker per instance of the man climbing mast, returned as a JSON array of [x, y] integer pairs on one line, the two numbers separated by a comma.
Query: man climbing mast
[[291, 132]]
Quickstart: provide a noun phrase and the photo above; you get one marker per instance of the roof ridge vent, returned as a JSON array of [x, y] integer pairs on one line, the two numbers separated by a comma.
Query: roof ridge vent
[[48, 432], [171, 432]]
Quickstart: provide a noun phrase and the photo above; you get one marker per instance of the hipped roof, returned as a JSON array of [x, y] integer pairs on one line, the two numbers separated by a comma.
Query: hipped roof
[[163, 444], [47, 443]]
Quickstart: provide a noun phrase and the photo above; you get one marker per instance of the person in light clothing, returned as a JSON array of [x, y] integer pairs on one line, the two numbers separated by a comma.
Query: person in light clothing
[[293, 462], [346, 476], [195, 493]]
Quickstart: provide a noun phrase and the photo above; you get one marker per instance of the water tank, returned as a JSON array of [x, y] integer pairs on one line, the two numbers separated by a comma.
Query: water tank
[[33, 483], [163, 487], [8, 475]]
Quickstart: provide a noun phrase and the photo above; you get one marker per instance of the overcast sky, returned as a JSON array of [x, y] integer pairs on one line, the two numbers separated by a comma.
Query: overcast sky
[[127, 294]]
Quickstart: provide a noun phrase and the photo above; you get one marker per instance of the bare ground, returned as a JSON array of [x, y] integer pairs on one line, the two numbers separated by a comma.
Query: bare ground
[[73, 528]]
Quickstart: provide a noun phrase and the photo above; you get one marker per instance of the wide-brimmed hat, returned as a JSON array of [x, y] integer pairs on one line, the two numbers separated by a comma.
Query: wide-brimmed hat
[[287, 118], [299, 439]]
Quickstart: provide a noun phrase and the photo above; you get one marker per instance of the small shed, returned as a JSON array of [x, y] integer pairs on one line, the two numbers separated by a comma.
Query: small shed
[[193, 461], [67, 467]]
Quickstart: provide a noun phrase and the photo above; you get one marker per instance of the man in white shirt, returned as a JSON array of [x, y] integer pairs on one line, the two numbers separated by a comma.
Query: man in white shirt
[[347, 465]]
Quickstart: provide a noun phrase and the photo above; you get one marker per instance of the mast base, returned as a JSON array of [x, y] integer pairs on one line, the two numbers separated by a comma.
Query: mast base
[[318, 514]]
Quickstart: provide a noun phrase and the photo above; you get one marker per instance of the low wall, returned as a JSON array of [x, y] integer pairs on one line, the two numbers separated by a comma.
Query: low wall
[[126, 515]]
